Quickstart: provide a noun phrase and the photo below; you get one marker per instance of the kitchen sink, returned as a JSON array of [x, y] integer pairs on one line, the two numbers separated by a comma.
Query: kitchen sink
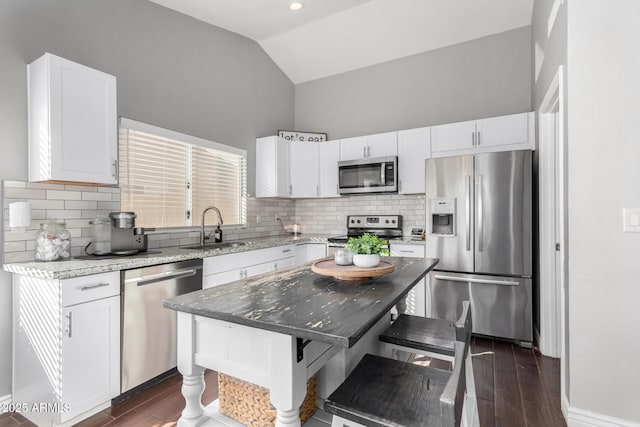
[[222, 245]]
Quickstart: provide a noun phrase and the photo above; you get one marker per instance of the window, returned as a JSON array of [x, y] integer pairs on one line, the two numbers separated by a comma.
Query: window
[[168, 178]]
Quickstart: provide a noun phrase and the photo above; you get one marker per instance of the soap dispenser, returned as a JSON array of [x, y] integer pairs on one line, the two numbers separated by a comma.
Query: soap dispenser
[[217, 235]]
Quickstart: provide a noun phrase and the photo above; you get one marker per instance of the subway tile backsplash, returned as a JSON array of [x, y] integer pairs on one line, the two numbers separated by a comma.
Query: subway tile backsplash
[[329, 216], [77, 205]]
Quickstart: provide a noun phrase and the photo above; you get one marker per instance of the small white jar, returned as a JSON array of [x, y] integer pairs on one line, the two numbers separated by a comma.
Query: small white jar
[[342, 256]]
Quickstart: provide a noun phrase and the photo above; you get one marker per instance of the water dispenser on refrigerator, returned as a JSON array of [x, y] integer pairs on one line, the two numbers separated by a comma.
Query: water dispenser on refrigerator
[[443, 216]]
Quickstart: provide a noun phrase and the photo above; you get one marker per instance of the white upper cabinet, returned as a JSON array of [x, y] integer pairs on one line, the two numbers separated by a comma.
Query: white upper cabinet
[[453, 136], [305, 169], [329, 154], [272, 167], [72, 122], [414, 147], [362, 147], [504, 133], [515, 129]]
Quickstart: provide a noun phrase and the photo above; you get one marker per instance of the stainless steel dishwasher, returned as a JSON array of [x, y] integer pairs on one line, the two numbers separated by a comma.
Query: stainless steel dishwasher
[[148, 329]]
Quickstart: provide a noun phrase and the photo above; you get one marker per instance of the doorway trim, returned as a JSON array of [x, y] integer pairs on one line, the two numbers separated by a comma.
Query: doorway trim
[[551, 132]]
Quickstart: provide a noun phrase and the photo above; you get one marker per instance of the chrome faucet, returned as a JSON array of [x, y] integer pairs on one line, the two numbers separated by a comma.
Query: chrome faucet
[[202, 238]]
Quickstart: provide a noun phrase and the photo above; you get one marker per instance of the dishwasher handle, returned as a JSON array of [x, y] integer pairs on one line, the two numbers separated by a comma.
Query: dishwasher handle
[[161, 277]]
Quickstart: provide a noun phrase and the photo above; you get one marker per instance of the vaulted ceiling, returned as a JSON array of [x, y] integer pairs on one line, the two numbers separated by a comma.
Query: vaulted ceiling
[[328, 37]]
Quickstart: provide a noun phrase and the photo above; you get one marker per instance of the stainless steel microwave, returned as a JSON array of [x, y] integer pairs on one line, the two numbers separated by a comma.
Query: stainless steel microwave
[[362, 176]]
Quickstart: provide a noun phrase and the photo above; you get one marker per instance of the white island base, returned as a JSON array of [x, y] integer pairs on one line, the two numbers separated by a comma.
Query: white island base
[[264, 358]]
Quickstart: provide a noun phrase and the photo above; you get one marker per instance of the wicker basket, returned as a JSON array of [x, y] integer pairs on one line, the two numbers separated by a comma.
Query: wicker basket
[[249, 404]]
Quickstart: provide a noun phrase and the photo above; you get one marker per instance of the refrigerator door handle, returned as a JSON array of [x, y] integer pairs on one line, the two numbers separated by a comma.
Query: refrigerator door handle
[[468, 211], [480, 281], [480, 214]]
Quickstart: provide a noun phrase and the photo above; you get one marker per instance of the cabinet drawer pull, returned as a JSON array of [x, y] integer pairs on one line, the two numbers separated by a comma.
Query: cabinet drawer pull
[[286, 250], [69, 323], [406, 251], [97, 285]]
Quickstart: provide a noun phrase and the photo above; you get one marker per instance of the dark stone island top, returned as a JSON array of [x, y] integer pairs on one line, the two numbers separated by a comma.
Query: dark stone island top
[[303, 304]]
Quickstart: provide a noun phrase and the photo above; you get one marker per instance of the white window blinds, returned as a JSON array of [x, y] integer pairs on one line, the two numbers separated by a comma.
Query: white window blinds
[[168, 180]]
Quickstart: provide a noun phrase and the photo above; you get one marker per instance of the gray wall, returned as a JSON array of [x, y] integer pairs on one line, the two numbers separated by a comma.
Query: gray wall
[[172, 71], [481, 78], [603, 65]]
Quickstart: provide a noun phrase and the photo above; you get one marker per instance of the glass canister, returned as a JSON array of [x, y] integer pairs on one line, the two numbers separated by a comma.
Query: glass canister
[[101, 235], [343, 256], [53, 241]]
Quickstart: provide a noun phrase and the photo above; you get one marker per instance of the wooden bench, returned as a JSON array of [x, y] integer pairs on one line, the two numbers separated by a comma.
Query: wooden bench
[[387, 392], [391, 393], [428, 336]]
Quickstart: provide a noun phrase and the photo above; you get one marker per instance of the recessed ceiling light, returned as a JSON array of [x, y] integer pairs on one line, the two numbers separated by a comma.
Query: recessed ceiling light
[[296, 5]]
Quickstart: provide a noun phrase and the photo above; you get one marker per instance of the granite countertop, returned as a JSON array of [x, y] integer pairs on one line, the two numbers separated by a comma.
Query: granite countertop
[[303, 304], [82, 267]]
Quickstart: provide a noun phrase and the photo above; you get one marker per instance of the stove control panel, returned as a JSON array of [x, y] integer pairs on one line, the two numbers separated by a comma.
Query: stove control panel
[[374, 221]]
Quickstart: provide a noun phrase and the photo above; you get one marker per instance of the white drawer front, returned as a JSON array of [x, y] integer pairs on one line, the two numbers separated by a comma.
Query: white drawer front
[[90, 288], [218, 264], [410, 251]]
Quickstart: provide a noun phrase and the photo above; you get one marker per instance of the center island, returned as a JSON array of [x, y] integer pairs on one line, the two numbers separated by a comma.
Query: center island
[[279, 329]]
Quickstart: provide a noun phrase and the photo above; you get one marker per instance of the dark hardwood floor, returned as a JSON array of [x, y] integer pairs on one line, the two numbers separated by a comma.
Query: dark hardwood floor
[[515, 387]]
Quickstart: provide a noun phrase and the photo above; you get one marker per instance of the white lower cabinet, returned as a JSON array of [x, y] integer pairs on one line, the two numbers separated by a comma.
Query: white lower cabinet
[[66, 346], [90, 355], [221, 269], [307, 252], [416, 299]]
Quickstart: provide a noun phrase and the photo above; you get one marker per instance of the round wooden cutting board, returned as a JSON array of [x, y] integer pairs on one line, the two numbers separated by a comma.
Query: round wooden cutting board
[[328, 267]]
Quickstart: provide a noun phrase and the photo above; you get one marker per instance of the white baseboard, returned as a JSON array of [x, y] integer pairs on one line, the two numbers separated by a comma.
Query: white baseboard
[[4, 403], [581, 418]]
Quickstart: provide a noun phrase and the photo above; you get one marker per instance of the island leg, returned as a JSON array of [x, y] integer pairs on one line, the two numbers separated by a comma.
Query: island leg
[[288, 380], [192, 374]]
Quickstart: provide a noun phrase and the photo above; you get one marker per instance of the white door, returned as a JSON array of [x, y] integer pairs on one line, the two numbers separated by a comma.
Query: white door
[[211, 280], [504, 130], [552, 217], [353, 148], [414, 147], [415, 302], [304, 166], [272, 167], [329, 155], [84, 123], [382, 144], [90, 354], [453, 137]]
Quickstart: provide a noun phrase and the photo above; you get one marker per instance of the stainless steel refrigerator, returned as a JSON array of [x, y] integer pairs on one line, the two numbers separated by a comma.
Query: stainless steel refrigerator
[[479, 222]]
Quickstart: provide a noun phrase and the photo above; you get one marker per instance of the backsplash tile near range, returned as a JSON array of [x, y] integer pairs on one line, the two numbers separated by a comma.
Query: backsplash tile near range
[[329, 216]]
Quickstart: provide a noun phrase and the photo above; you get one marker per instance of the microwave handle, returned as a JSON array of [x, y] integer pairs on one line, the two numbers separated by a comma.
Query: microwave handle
[[383, 167]]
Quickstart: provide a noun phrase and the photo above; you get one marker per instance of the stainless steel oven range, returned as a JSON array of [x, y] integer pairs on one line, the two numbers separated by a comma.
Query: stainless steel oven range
[[388, 227]]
